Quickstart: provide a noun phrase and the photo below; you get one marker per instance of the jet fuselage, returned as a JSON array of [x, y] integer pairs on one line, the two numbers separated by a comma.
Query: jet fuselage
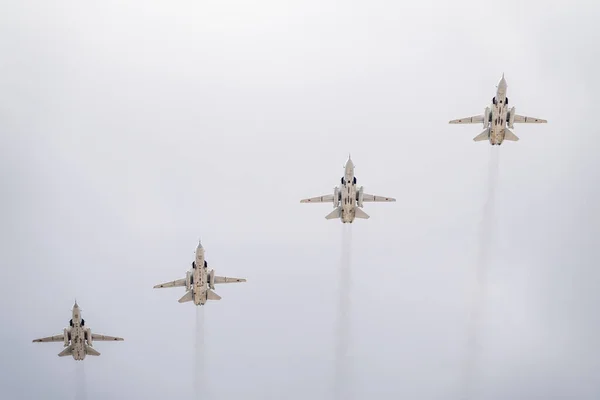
[[348, 193], [77, 334], [499, 113], [199, 285]]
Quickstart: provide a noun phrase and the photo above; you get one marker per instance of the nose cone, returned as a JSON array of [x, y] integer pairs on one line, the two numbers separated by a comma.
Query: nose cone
[[75, 305], [199, 249], [502, 83], [349, 163]]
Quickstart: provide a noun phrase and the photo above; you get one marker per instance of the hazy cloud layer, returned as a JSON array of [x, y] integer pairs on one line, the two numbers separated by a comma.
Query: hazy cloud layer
[[131, 130]]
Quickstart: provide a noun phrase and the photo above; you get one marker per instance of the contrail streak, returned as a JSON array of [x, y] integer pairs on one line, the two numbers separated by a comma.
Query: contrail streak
[[343, 319], [480, 284], [80, 393], [200, 390]]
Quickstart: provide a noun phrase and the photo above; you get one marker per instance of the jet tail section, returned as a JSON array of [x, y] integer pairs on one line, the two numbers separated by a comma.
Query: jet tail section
[[66, 352], [186, 297], [90, 351], [337, 213], [359, 213], [509, 135], [485, 135], [210, 295]]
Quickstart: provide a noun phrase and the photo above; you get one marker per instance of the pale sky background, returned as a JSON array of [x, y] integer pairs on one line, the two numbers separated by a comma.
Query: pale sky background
[[131, 129]]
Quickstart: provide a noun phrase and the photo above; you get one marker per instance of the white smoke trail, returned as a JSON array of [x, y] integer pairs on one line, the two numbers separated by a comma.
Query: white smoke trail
[[200, 389], [80, 393], [480, 285], [343, 319]]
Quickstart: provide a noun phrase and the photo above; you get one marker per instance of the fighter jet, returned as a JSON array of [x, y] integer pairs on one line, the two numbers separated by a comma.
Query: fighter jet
[[498, 119], [78, 338], [348, 198], [199, 282]]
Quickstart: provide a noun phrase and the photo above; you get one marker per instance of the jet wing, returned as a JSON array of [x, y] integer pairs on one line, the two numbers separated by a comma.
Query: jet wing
[[224, 279], [521, 119], [477, 119], [103, 338], [178, 282], [55, 338], [372, 197], [328, 198]]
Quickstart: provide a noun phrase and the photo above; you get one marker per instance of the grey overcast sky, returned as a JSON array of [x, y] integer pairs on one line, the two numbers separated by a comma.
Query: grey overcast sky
[[130, 129]]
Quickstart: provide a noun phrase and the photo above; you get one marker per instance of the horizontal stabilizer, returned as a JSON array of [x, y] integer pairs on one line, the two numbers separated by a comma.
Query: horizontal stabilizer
[[224, 279], [485, 135], [178, 282], [66, 352], [337, 213], [359, 213], [210, 295], [186, 297], [90, 351], [508, 135]]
